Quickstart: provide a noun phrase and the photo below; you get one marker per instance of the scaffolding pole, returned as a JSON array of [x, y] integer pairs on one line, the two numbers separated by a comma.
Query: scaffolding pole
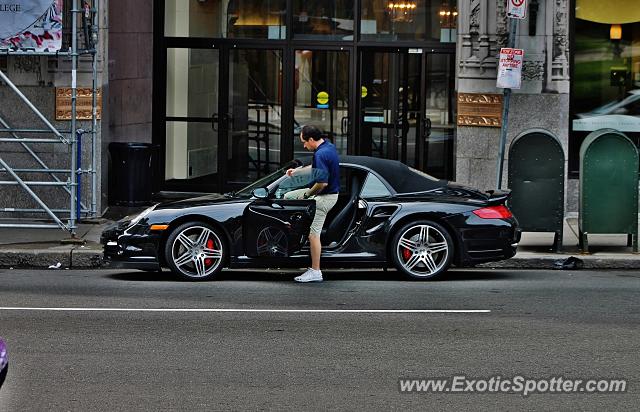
[[94, 114], [74, 76]]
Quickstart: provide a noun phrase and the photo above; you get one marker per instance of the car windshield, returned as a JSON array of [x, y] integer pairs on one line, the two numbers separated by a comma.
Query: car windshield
[[267, 180]]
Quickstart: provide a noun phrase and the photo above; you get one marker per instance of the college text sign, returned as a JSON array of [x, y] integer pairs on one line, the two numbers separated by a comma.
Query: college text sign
[[34, 25], [479, 109]]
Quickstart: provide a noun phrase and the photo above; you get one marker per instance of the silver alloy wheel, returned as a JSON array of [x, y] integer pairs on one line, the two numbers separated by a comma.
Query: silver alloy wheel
[[197, 251], [422, 250]]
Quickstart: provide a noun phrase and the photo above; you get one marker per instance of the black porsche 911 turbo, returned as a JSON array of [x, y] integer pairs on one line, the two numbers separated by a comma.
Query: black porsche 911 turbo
[[387, 214]]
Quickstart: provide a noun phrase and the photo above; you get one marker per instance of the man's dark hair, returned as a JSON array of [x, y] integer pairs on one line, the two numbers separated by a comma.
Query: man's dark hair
[[311, 132]]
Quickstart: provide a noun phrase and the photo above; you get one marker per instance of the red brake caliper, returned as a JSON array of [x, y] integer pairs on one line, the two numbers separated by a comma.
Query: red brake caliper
[[208, 262], [406, 254]]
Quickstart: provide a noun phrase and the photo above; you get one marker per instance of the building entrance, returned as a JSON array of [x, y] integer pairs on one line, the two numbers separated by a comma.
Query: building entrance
[[223, 121], [406, 108], [235, 81]]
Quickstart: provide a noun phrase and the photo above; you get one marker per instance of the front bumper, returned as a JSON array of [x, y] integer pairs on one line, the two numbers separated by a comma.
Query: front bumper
[[130, 248]]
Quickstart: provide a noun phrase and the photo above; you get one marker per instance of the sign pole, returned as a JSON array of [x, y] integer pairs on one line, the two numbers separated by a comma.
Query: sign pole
[[513, 25]]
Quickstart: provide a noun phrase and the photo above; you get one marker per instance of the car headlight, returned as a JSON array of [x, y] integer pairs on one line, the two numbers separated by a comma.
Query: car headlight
[[141, 216]]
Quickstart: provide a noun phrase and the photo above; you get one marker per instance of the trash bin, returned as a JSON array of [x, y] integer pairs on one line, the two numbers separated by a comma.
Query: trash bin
[[131, 173], [608, 186], [536, 180]]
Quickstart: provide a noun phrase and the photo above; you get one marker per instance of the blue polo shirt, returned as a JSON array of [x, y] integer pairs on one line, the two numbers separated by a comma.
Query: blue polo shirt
[[325, 159]]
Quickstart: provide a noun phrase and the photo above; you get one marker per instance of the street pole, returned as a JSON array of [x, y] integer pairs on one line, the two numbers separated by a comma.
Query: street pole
[[511, 42]]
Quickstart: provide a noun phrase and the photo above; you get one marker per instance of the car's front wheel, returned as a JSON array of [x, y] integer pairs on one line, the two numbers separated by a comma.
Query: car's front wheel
[[422, 250], [195, 251]]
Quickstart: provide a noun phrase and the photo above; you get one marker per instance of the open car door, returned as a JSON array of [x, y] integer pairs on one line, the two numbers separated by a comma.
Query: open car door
[[278, 227]]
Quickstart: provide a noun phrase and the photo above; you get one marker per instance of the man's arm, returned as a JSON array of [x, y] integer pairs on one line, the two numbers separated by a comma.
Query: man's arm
[[290, 172], [316, 188]]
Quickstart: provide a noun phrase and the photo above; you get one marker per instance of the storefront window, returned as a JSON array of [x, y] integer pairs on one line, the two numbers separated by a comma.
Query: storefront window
[[432, 20], [257, 19], [193, 18], [223, 18], [326, 20], [606, 74]]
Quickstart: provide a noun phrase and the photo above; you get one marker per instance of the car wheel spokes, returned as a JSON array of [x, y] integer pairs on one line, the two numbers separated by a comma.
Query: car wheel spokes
[[422, 250], [197, 251]]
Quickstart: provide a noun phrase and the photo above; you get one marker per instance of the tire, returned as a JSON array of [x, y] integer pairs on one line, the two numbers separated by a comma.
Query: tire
[[195, 251], [422, 250]]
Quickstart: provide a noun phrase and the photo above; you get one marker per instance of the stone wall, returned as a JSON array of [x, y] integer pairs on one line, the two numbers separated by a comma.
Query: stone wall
[[543, 100], [129, 92]]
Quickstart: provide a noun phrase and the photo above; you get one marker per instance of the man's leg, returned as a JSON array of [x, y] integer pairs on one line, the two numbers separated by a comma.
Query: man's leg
[[295, 194], [323, 205], [316, 251]]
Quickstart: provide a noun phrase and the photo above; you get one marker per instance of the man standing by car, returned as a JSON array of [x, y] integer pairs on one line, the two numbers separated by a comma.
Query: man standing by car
[[324, 191]]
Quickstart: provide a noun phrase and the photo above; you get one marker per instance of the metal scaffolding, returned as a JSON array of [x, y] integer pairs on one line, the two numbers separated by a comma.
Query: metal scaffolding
[[71, 138]]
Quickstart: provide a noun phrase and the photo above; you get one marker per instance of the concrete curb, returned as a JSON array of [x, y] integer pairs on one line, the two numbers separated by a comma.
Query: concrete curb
[[43, 258], [34, 258], [589, 262]]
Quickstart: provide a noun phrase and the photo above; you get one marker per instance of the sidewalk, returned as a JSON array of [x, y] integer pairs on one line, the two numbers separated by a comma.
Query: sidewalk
[[605, 251], [41, 248]]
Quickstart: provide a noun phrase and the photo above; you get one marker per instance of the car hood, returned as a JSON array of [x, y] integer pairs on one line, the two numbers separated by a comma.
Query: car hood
[[208, 200]]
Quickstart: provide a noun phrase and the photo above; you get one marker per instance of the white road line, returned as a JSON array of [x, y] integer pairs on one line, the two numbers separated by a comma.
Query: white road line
[[246, 310]]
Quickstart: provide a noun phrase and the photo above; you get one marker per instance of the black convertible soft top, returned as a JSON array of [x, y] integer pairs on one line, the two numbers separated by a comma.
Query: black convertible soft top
[[401, 177]]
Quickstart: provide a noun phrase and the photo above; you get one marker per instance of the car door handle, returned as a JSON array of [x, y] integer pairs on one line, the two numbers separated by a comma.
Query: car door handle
[[276, 206]]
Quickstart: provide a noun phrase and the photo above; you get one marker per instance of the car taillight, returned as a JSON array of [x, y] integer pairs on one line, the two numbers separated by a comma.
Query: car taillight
[[493, 212]]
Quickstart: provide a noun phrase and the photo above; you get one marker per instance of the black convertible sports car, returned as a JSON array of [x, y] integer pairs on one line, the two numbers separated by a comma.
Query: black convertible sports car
[[388, 214]]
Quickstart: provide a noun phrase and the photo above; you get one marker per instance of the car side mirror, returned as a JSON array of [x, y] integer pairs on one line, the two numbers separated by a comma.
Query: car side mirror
[[362, 204], [260, 193]]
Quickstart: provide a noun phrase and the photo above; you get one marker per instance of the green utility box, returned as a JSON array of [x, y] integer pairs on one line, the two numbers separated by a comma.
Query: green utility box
[[608, 186], [536, 180]]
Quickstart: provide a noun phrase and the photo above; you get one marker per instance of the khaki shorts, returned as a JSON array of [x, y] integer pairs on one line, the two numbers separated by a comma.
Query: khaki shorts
[[324, 203]]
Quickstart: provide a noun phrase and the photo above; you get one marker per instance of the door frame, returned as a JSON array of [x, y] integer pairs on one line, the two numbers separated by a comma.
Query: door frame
[[424, 123], [224, 46], [404, 52]]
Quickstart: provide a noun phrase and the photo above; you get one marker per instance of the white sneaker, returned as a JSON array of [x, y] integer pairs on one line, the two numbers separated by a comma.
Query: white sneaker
[[311, 275]]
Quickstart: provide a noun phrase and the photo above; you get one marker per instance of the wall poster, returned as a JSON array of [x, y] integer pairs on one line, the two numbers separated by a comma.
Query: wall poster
[[34, 25]]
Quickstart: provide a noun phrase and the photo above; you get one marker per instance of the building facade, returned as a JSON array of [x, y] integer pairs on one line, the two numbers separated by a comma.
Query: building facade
[[222, 87]]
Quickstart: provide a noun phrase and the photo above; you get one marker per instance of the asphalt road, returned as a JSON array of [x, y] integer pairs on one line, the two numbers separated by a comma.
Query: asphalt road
[[540, 324]]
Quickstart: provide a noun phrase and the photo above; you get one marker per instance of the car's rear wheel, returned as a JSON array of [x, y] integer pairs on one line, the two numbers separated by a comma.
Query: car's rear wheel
[[195, 251], [422, 250]]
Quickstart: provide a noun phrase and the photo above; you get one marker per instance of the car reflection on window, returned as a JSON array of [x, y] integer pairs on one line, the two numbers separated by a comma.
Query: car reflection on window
[[302, 178]]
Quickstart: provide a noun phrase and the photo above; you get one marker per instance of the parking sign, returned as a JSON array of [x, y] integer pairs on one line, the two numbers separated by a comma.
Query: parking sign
[[510, 68], [516, 9]]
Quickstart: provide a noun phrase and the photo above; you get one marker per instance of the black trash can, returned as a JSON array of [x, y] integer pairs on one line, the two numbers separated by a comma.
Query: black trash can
[[131, 174]]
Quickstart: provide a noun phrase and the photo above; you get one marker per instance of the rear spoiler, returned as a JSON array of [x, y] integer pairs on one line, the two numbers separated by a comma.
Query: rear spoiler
[[498, 197]]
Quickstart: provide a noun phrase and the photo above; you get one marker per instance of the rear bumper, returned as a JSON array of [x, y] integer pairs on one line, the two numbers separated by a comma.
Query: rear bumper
[[489, 244]]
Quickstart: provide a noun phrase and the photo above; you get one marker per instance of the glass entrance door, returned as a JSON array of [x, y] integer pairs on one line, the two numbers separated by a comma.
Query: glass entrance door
[[321, 95], [253, 115], [191, 120], [405, 109]]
